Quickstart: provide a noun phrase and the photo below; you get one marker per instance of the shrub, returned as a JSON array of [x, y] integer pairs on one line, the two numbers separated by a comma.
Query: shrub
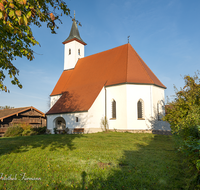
[[39, 130], [183, 115], [25, 126], [48, 131], [188, 142], [184, 110], [29, 132], [66, 131], [15, 130], [191, 131], [104, 123], [55, 130]]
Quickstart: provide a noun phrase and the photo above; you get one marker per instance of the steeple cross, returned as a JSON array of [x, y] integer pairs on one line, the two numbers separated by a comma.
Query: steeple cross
[[128, 38], [74, 14]]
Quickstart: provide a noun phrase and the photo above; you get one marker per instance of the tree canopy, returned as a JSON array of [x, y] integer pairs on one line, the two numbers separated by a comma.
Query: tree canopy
[[5, 107], [16, 18], [184, 111]]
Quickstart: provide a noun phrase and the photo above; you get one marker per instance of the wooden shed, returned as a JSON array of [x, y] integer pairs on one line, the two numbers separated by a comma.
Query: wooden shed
[[24, 115]]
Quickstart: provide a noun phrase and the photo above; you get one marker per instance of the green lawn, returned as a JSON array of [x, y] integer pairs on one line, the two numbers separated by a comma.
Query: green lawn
[[91, 161]]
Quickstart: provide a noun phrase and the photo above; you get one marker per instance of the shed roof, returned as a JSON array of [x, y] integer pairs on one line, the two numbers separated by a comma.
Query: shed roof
[[80, 86], [4, 113]]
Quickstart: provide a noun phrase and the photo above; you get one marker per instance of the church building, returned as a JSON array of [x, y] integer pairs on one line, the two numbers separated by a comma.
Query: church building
[[116, 84]]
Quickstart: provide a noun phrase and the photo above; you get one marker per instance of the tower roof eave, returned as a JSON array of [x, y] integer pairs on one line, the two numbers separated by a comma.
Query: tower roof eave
[[67, 41]]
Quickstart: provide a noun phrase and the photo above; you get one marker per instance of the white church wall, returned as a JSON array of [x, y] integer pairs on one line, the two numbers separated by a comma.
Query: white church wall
[[158, 110], [70, 120], [134, 94], [158, 96], [70, 60], [54, 99], [126, 97], [96, 112], [118, 93]]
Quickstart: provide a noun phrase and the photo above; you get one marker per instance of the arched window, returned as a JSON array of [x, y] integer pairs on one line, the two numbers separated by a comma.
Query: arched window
[[70, 51], [113, 109], [140, 109], [79, 52]]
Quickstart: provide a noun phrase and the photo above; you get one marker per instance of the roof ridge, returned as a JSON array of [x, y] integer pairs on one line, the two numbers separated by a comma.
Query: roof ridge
[[102, 51], [21, 110], [143, 66], [127, 63]]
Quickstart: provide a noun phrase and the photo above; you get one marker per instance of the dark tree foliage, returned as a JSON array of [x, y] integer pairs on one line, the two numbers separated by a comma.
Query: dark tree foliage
[[184, 111]]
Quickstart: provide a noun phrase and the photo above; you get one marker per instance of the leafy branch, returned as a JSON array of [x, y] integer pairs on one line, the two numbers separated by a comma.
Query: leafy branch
[[16, 19]]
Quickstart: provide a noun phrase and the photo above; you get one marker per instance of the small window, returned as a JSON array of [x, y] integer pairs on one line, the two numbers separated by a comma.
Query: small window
[[70, 52], [76, 119], [140, 109], [79, 52], [113, 109]]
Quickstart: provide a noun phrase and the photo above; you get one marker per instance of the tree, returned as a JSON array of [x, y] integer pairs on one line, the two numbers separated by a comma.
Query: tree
[[5, 107], [16, 18], [104, 123], [184, 111]]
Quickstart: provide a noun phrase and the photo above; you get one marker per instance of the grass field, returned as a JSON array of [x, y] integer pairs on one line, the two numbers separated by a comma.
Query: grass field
[[91, 161]]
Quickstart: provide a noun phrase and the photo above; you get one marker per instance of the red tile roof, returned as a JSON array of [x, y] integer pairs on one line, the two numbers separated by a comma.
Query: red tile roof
[[81, 85]]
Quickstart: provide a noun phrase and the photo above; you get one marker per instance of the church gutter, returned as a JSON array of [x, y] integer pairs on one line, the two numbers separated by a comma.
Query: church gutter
[[105, 100], [66, 112], [151, 101], [136, 84]]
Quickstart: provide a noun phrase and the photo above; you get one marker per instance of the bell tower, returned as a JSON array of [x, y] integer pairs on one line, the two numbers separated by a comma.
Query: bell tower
[[74, 47]]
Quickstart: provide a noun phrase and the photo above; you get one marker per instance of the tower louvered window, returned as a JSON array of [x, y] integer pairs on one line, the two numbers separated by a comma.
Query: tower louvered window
[[70, 52], [79, 52], [140, 109], [113, 109]]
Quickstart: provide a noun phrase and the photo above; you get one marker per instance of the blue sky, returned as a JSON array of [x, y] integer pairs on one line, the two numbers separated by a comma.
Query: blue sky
[[165, 33]]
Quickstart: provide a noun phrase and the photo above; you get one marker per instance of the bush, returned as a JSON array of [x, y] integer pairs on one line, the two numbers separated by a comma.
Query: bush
[[29, 132], [184, 110], [48, 131], [39, 130], [104, 123], [25, 126], [192, 131], [14, 131], [66, 131], [183, 115], [55, 130], [188, 143]]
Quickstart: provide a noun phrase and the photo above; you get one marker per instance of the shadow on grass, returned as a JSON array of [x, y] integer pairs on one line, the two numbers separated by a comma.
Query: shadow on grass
[[25, 143], [155, 165]]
